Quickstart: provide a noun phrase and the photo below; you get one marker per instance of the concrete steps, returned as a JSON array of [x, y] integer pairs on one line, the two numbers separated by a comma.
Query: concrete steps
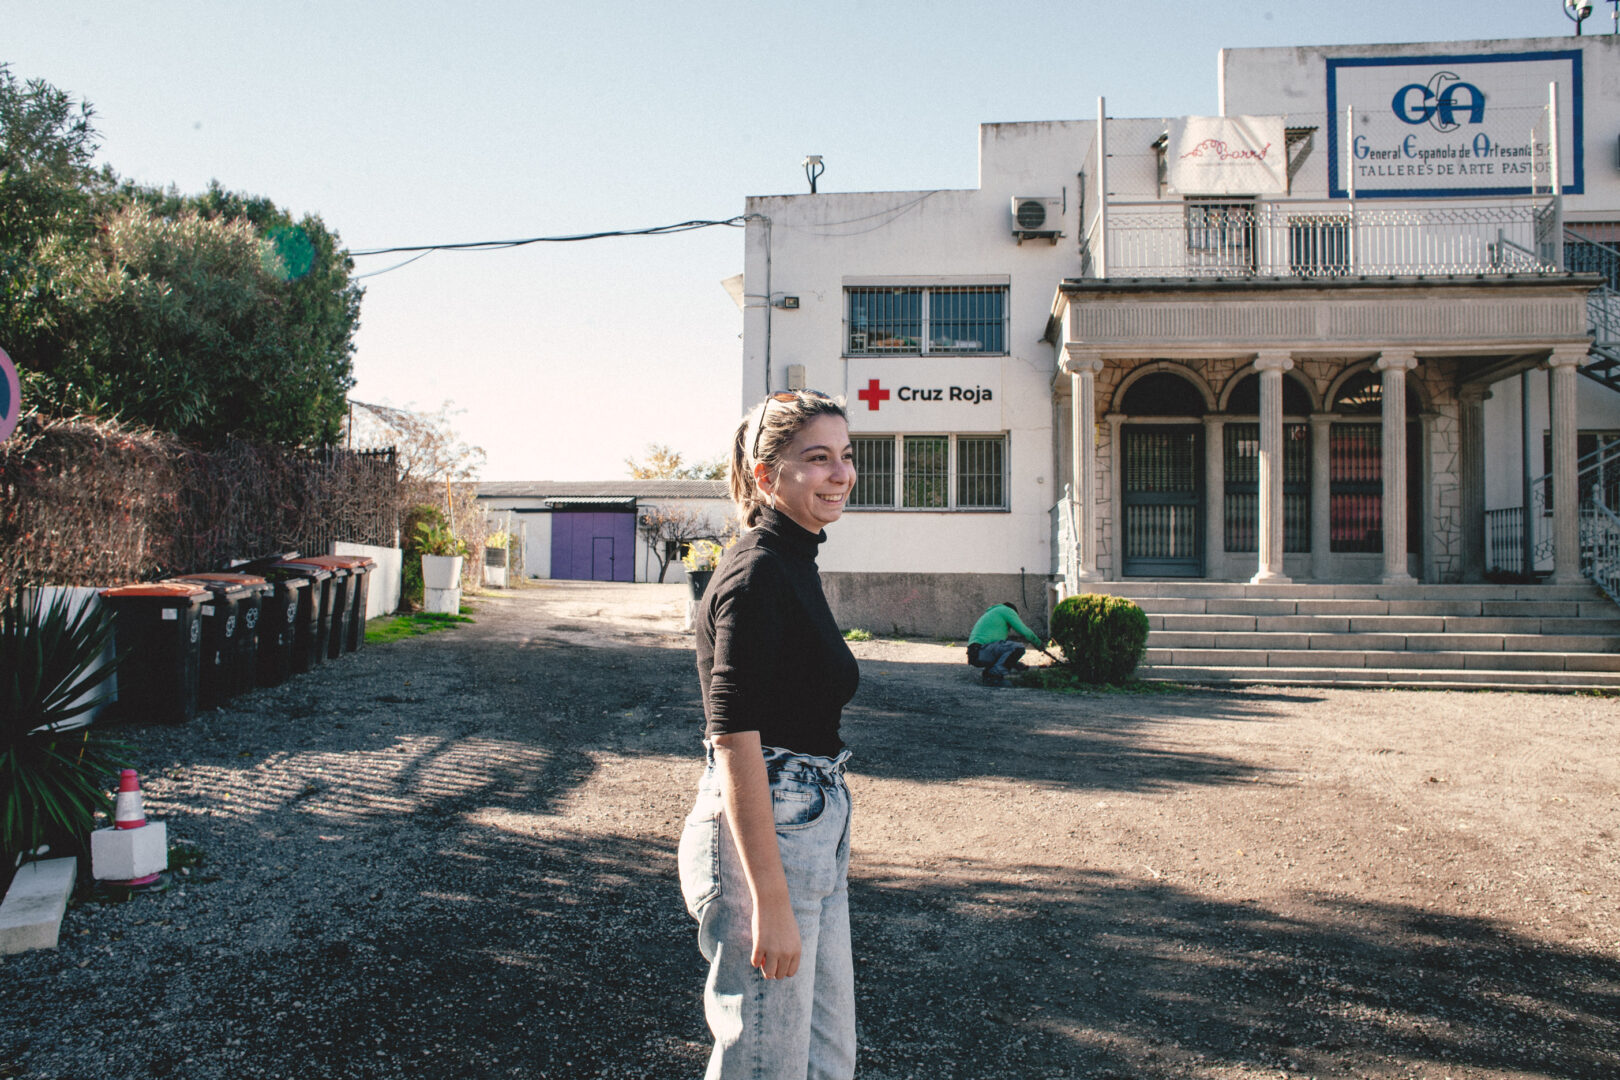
[[1548, 637]]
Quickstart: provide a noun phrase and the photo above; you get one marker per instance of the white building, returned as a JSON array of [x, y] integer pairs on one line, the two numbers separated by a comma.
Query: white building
[[1295, 334]]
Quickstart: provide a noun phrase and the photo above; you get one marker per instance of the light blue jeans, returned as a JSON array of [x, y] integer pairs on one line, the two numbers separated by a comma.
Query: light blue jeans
[[801, 1028]]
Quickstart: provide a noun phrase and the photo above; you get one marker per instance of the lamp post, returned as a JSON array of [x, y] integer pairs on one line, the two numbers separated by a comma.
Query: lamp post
[[1577, 11]]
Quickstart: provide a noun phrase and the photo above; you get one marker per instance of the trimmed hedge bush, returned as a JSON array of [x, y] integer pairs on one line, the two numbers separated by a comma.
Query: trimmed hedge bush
[[1102, 637]]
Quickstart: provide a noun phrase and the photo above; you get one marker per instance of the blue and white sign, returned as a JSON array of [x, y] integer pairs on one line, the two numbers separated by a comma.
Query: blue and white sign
[[10, 397], [1453, 125]]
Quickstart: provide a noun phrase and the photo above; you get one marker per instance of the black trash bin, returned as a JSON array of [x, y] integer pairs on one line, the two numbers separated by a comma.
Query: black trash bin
[[278, 626], [313, 616], [358, 568], [230, 638], [339, 600], [158, 628]]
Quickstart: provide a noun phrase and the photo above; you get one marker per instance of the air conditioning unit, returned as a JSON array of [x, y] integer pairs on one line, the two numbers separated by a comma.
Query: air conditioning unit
[[1037, 215]]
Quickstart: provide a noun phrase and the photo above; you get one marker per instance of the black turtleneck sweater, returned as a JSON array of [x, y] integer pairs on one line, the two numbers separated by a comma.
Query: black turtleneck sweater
[[769, 655]]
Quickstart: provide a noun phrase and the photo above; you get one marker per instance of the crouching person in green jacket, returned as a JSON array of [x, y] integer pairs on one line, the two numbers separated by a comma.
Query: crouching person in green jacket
[[991, 645]]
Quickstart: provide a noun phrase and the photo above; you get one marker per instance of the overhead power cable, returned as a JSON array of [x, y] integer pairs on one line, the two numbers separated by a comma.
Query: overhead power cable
[[501, 245]]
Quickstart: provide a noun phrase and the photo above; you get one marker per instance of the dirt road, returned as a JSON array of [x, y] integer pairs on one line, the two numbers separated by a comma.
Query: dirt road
[[454, 857]]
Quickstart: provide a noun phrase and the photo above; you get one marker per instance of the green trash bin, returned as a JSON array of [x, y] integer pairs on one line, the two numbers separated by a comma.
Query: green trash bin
[[339, 600], [158, 628]]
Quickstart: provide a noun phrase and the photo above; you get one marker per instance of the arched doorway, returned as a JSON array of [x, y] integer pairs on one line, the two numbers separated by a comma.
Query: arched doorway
[[1162, 473], [1356, 467]]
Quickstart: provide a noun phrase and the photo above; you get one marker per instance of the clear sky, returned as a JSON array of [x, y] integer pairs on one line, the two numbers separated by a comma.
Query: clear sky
[[412, 122]]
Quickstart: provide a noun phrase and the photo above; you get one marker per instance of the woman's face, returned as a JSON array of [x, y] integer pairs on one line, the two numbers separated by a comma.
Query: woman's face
[[815, 474]]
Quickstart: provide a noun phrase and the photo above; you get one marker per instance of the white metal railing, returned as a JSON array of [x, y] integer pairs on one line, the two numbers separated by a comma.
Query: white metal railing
[[1067, 554], [1599, 475], [1236, 238], [1600, 547]]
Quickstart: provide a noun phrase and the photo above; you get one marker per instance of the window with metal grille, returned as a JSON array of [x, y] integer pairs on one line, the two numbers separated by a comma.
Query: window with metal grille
[[1242, 476], [1220, 235], [980, 466], [874, 471], [926, 320], [930, 472], [926, 471], [1356, 487]]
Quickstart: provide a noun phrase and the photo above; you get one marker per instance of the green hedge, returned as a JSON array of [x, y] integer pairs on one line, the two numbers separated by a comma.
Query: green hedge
[[1103, 638]]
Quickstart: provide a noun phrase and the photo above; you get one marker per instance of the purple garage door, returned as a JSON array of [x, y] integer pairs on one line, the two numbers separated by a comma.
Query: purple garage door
[[592, 546]]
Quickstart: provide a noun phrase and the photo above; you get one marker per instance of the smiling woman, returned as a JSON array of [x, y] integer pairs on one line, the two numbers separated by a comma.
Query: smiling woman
[[764, 856]]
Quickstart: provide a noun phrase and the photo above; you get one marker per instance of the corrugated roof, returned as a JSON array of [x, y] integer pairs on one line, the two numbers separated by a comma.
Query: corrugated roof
[[603, 489]]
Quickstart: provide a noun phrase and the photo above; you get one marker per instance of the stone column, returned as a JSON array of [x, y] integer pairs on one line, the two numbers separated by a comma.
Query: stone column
[[1214, 494], [1562, 365], [1083, 367], [1271, 364], [1321, 498], [1395, 363], [1471, 480]]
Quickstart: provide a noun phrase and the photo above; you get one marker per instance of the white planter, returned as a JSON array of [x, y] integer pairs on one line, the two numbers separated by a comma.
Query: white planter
[[441, 571]]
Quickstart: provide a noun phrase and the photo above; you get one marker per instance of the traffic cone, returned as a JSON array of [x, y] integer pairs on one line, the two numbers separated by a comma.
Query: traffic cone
[[132, 853], [128, 813]]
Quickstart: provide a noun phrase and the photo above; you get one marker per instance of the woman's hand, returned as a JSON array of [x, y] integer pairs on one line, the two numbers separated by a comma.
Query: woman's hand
[[746, 789], [776, 940]]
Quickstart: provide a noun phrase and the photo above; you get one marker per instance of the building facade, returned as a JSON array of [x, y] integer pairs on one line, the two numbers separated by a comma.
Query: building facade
[[1354, 328]]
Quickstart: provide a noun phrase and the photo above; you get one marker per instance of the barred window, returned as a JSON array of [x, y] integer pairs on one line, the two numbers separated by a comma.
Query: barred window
[[980, 467], [874, 470], [927, 471], [933, 320], [930, 472]]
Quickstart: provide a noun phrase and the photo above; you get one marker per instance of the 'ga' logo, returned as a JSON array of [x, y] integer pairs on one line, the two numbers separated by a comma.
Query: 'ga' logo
[[1438, 103]]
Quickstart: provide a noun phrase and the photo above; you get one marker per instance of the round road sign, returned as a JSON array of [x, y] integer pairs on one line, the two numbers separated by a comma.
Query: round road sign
[[10, 397]]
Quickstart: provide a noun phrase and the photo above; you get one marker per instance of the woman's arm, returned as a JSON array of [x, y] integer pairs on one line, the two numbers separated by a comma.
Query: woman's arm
[[746, 789]]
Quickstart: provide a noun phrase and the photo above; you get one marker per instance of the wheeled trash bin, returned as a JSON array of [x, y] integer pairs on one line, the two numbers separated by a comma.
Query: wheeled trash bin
[[158, 628], [230, 637]]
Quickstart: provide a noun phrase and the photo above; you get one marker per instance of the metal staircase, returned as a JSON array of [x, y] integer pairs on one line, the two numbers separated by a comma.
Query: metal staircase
[[1582, 254]]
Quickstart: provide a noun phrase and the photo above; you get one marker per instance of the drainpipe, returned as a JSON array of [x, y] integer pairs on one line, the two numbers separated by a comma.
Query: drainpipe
[[1526, 527]]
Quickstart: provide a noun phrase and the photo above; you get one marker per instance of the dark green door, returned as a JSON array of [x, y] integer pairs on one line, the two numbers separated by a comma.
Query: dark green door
[[1164, 500]]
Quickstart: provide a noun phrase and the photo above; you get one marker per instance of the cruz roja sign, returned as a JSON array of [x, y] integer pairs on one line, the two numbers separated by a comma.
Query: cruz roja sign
[[926, 395], [1453, 125]]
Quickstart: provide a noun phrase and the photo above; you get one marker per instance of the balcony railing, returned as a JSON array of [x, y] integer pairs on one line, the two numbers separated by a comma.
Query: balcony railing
[[1205, 239]]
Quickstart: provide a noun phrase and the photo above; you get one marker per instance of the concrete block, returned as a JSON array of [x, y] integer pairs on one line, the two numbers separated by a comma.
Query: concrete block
[[1213, 623], [1557, 608], [1592, 661], [1224, 606], [1314, 658], [1438, 607], [1356, 641], [126, 854], [31, 915], [1343, 607], [1471, 643], [441, 601], [1397, 624], [1301, 624], [1416, 659], [1567, 643], [1181, 639]]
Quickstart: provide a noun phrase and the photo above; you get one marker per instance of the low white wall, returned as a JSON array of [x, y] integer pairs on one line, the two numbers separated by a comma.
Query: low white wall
[[382, 592]]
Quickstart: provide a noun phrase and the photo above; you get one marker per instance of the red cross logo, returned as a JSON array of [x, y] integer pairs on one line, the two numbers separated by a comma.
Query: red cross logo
[[873, 395]]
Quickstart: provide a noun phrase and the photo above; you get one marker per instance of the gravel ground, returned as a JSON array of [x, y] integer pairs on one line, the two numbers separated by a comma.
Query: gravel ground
[[453, 856]]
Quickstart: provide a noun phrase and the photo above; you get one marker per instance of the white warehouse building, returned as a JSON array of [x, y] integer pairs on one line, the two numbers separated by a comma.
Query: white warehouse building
[[1303, 341]]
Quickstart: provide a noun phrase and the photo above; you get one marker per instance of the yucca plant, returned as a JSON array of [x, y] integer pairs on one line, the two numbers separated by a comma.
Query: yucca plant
[[54, 764]]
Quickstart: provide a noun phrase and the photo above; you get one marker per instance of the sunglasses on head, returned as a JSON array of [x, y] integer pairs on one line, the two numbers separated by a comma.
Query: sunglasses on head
[[783, 396]]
